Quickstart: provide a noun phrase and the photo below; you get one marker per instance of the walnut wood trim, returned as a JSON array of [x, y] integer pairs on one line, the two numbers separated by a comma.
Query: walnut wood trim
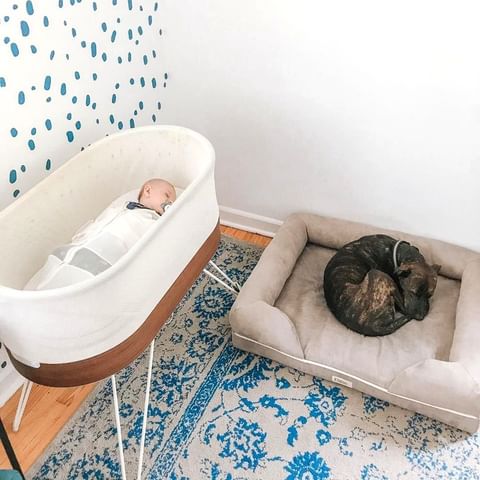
[[105, 364]]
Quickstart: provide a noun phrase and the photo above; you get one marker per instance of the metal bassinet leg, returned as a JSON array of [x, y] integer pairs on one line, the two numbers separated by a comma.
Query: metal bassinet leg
[[145, 418], [233, 286], [22, 403]]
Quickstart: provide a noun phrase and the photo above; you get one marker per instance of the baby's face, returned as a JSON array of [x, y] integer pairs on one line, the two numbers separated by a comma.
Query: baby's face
[[156, 193]]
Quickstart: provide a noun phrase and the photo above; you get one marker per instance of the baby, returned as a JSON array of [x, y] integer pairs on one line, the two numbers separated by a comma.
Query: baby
[[103, 241], [156, 194]]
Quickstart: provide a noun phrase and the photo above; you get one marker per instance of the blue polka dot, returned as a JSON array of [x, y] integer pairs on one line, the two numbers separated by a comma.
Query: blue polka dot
[[130, 4], [74, 99], [114, 36], [48, 99], [78, 125], [154, 82], [140, 30], [3, 83], [135, 112], [154, 54], [165, 76], [70, 136], [25, 28], [31, 144], [159, 105], [154, 117], [140, 105], [33, 48], [132, 81], [6, 18], [150, 19], [83, 43], [93, 49], [48, 124], [120, 125], [52, 54], [117, 86], [142, 81], [104, 26], [13, 176], [33, 87], [160, 32], [14, 49], [29, 7], [119, 59], [45, 21], [16, 193], [48, 164], [112, 119], [6, 40], [136, 42], [104, 56], [69, 116], [23, 168], [87, 100], [33, 131], [94, 6], [114, 98], [77, 75], [74, 32], [47, 82], [94, 76], [130, 33], [13, 132], [97, 121], [67, 56], [14, 6], [63, 89], [145, 59], [129, 57], [21, 97], [94, 105], [132, 123], [155, 7]]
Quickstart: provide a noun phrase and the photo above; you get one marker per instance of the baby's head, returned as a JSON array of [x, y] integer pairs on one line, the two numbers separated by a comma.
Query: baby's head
[[155, 193]]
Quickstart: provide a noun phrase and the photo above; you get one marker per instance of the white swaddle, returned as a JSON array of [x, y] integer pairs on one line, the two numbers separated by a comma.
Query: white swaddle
[[96, 246]]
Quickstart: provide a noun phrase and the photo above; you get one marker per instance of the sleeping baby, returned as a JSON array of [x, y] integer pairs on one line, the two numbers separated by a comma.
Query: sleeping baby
[[103, 241]]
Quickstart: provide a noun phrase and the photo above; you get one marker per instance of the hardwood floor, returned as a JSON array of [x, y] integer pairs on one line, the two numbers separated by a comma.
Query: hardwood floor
[[48, 409]]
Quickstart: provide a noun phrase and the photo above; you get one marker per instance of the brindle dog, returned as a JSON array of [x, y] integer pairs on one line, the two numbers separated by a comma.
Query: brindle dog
[[363, 289]]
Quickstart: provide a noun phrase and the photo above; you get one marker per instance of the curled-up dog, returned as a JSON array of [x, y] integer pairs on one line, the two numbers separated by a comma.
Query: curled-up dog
[[376, 284]]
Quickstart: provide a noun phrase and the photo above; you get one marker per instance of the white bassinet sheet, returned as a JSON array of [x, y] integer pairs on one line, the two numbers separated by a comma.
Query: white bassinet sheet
[[96, 246]]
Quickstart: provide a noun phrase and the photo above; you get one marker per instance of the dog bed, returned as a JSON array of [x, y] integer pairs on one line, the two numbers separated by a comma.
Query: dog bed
[[430, 366]]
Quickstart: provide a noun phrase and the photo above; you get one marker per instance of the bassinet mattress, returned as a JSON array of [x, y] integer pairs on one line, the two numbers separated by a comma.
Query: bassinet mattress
[[430, 366]]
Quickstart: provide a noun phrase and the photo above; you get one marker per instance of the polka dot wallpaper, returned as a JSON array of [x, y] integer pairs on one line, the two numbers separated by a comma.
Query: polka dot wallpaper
[[72, 71]]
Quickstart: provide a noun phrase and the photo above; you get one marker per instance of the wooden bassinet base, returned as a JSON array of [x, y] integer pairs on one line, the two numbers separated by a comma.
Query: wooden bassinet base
[[108, 363]]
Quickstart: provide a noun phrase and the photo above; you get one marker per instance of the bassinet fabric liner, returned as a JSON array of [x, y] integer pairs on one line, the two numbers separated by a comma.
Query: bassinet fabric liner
[[430, 366], [79, 321]]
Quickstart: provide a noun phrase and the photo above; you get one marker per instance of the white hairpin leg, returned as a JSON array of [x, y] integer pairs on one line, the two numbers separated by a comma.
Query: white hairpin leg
[[22, 403], [145, 411], [145, 418], [233, 286], [119, 428]]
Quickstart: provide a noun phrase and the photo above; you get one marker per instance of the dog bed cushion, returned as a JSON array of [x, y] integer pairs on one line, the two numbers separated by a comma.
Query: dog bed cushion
[[431, 366]]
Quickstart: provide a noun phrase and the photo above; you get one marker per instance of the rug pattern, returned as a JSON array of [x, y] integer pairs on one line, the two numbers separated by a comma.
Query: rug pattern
[[223, 414]]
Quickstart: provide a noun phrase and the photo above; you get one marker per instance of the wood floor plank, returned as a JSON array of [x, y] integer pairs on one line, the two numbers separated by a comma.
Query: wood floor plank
[[49, 409]]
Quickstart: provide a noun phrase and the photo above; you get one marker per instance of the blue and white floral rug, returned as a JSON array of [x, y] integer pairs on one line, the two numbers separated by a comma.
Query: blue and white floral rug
[[222, 414]]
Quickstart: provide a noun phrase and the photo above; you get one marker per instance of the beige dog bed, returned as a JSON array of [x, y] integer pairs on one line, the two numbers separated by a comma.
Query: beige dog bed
[[430, 366]]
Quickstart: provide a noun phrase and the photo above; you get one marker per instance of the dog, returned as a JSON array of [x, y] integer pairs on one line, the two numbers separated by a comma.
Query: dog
[[376, 284]]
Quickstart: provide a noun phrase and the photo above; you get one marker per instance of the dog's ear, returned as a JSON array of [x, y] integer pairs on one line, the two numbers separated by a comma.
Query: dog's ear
[[403, 270], [436, 268]]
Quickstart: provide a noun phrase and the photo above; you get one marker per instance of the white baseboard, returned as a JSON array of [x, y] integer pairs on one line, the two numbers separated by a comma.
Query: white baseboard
[[250, 222]]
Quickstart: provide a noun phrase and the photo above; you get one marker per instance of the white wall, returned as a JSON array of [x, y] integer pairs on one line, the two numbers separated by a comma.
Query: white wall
[[367, 110]]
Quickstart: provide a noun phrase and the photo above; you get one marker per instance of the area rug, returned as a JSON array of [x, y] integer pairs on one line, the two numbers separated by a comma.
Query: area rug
[[222, 414]]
